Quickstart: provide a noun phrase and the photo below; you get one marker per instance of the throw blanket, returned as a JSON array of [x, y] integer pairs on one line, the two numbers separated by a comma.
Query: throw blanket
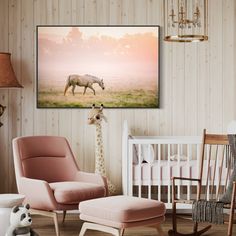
[[208, 211], [212, 211], [228, 194]]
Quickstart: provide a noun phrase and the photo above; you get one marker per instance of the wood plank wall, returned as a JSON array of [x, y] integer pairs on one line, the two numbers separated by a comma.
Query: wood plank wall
[[198, 88]]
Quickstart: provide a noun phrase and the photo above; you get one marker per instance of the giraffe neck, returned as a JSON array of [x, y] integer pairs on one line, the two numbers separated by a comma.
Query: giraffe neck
[[99, 152]]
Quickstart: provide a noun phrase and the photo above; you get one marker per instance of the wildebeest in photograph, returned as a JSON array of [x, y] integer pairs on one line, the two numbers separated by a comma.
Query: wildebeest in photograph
[[117, 66]]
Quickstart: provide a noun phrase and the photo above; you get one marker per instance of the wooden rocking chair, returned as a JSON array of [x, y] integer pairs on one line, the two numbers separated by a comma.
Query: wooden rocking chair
[[213, 179]]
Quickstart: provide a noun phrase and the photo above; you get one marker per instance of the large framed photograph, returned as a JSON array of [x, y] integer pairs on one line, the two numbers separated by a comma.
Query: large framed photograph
[[117, 66]]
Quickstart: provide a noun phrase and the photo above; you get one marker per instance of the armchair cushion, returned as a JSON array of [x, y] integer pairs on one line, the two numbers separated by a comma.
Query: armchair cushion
[[75, 192]]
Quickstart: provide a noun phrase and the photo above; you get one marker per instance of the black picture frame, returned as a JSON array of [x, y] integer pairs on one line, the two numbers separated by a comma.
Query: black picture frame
[[40, 106]]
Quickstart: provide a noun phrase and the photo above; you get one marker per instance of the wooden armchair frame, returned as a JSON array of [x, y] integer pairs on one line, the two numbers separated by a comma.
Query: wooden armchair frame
[[215, 140]]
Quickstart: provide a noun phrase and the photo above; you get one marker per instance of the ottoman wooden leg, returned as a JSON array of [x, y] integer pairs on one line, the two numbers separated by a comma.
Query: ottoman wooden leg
[[122, 231], [160, 230], [103, 228], [83, 230]]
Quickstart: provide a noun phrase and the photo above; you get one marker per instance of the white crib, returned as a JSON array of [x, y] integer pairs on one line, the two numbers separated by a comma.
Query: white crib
[[153, 179]]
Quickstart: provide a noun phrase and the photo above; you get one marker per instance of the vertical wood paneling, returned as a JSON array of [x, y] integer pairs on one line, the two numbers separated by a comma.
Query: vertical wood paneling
[[40, 120], [202, 87], [153, 115], [178, 89], [15, 108], [27, 66], [216, 59], [228, 44], [103, 12], [190, 89], [115, 12], [52, 115], [166, 85], [234, 26], [141, 126], [197, 84], [4, 46]]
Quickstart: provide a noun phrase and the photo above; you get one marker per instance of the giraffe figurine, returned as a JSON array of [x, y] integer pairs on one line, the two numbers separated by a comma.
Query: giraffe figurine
[[95, 118]]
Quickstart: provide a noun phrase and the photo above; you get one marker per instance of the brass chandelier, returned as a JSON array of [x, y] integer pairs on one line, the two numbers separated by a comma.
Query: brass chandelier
[[185, 20]]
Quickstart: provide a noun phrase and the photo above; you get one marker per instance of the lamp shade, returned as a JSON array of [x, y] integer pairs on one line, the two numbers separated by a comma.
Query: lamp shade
[[7, 76]]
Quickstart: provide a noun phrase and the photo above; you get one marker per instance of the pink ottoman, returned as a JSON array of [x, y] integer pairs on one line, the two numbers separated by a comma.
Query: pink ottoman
[[115, 214]]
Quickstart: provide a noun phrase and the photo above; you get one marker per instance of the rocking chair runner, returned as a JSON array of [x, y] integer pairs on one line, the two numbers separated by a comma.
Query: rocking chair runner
[[215, 171]]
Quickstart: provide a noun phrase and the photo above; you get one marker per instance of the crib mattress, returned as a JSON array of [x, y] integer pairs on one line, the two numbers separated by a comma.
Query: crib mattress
[[162, 174]]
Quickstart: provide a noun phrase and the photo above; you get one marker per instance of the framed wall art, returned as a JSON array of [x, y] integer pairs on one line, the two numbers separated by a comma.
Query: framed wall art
[[117, 66]]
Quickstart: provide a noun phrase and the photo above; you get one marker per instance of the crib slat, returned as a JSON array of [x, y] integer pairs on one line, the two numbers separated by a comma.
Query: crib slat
[[139, 172], [130, 173], [159, 172], [189, 156], [179, 174], [149, 173], [169, 175]]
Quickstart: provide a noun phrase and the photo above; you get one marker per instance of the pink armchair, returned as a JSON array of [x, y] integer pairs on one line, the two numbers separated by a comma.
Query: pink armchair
[[47, 174]]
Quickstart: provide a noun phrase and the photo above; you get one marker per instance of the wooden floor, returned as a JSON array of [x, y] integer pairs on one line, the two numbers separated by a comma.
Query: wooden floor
[[44, 227]]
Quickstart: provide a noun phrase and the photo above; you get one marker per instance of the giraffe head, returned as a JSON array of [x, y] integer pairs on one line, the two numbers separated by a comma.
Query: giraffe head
[[96, 115]]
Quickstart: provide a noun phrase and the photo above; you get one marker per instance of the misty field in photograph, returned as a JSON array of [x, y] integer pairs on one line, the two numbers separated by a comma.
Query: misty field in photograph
[[115, 66]]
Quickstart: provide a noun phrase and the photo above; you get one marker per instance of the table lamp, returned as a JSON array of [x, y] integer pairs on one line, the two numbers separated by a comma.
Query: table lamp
[[7, 76]]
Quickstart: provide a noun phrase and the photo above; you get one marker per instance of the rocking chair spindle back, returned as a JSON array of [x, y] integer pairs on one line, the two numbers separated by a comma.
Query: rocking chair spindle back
[[216, 166]]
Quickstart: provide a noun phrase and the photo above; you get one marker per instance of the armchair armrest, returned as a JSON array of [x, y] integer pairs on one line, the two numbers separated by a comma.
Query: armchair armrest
[[37, 193], [92, 178]]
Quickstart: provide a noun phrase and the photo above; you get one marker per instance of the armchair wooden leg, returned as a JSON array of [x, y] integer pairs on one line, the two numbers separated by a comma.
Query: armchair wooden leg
[[64, 216], [48, 214], [55, 219], [160, 230], [122, 231], [232, 208]]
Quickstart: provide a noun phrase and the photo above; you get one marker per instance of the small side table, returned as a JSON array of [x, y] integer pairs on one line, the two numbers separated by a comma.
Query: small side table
[[7, 202]]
